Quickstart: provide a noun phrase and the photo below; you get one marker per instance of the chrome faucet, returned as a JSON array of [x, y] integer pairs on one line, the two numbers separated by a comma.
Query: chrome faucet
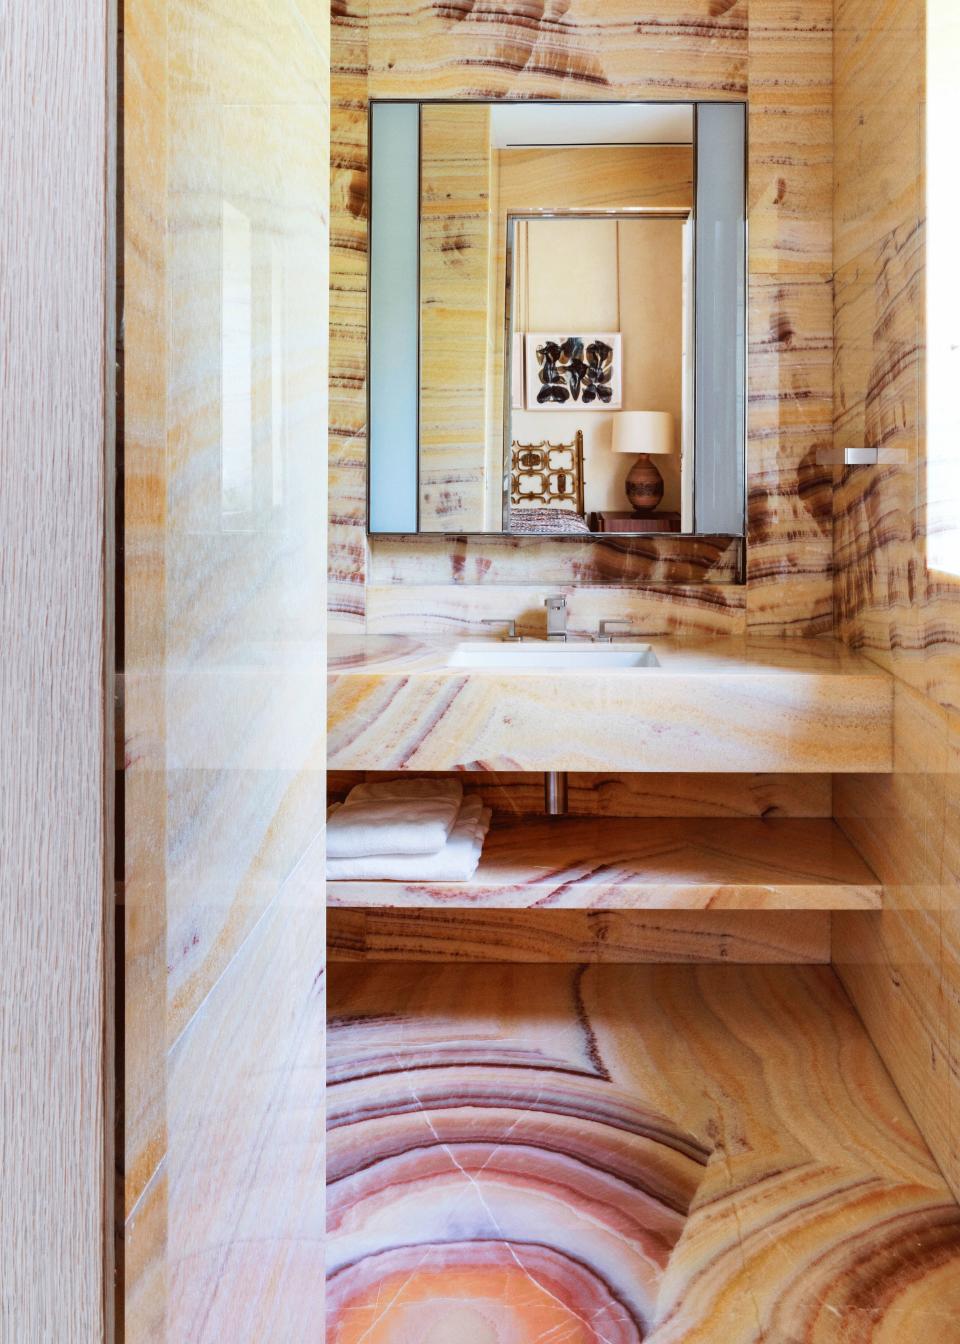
[[510, 627], [556, 616], [603, 635]]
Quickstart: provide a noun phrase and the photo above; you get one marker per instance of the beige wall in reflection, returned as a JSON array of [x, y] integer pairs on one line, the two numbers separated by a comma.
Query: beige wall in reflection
[[468, 189], [626, 276]]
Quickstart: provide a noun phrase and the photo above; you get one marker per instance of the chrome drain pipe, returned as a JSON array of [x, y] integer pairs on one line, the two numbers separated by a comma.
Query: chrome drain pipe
[[555, 793]]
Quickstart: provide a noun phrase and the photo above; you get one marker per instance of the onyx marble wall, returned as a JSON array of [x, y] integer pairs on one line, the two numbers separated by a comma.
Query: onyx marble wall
[[900, 966], [774, 54], [226, 218]]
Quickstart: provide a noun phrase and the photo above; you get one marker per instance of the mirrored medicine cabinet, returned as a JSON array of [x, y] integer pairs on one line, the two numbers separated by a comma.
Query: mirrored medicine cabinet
[[557, 318]]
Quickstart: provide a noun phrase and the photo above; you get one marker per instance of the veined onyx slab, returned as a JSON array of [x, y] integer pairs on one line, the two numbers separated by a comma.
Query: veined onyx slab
[[725, 706]]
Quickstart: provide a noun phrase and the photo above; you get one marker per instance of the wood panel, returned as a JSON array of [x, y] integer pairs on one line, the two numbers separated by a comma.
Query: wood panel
[[775, 54], [748, 936], [902, 966], [57, 147]]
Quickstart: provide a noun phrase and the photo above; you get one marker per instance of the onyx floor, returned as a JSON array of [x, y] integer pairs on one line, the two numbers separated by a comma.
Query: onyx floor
[[620, 1153]]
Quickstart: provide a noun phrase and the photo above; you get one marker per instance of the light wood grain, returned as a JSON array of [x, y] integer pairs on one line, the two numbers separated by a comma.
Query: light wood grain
[[57, 106], [644, 864]]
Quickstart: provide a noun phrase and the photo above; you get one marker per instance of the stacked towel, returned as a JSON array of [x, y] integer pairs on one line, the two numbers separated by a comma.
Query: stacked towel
[[399, 816], [455, 859]]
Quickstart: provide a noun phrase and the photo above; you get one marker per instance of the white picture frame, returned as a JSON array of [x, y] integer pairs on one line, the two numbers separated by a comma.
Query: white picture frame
[[517, 372], [580, 370]]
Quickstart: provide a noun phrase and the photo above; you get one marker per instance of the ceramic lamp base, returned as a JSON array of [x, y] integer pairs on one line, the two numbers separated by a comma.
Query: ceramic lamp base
[[644, 485]]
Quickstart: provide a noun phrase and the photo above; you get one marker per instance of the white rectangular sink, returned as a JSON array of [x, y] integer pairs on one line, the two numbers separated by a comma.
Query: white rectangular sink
[[541, 655]]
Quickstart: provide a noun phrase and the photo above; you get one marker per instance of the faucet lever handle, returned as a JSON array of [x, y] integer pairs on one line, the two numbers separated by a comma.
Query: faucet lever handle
[[604, 635], [556, 606], [511, 626]]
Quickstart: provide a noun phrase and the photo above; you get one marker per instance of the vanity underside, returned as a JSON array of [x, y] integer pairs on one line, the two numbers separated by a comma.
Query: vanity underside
[[644, 868], [556, 1114]]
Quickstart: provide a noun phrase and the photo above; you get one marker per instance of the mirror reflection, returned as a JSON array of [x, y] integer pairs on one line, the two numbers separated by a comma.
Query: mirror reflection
[[555, 317], [598, 372]]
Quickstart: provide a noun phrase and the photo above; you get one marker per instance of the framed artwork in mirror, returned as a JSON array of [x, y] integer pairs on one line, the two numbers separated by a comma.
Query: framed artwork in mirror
[[574, 372]]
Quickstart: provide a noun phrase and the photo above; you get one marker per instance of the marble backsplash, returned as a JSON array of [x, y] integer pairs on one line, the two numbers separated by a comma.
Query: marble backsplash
[[776, 56]]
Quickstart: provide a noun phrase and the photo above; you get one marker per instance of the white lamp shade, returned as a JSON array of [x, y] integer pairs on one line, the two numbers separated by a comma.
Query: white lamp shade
[[639, 432]]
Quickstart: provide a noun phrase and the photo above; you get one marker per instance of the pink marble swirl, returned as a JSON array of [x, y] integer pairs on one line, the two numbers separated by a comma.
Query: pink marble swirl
[[481, 1204]]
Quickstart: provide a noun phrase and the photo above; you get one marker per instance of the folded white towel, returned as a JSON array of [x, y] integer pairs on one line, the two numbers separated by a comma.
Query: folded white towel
[[456, 862], [397, 816]]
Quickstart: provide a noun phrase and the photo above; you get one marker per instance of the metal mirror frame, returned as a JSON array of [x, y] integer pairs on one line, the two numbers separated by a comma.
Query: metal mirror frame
[[720, 317]]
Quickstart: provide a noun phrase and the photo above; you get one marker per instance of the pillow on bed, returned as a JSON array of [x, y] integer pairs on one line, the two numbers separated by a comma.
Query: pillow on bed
[[547, 520]]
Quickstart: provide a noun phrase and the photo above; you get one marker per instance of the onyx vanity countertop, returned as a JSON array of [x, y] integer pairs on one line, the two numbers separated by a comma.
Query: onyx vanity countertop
[[395, 703]]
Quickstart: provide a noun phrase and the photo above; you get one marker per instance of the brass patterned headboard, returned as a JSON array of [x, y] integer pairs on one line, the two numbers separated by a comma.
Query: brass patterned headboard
[[547, 474]]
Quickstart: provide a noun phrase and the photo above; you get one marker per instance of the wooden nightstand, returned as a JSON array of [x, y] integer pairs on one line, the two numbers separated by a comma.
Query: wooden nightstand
[[633, 522]]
